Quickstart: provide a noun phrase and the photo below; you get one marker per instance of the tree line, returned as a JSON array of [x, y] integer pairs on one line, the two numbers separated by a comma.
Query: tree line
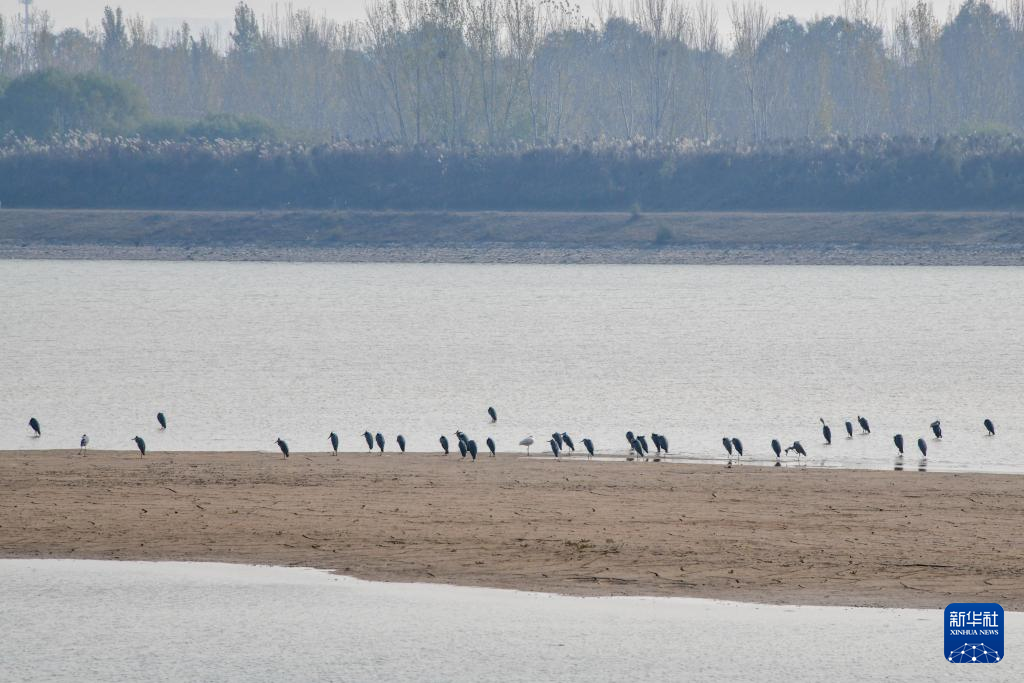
[[538, 72]]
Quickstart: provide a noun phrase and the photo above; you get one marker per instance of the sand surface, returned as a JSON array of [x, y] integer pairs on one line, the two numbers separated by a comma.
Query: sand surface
[[780, 535]]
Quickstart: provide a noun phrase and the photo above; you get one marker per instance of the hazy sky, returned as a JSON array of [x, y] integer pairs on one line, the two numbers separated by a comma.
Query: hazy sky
[[76, 12]]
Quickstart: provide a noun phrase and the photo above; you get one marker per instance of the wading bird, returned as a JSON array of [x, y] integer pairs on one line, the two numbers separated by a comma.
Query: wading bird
[[462, 448], [727, 442], [990, 427], [936, 429], [798, 447], [401, 442], [637, 448], [567, 440], [589, 445], [493, 413], [369, 441], [738, 445], [777, 447], [462, 436], [656, 439], [83, 444], [444, 443], [898, 440], [630, 438], [162, 419], [380, 442], [849, 429], [34, 424], [490, 446], [141, 445], [558, 439], [923, 447], [863, 422], [826, 431], [643, 443], [555, 449], [471, 447], [334, 442], [528, 441]]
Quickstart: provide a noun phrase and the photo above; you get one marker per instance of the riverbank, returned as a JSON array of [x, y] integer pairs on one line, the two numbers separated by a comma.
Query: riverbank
[[787, 535], [839, 238]]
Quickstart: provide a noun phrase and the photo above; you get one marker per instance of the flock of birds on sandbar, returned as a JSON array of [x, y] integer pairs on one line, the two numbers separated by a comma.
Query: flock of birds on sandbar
[[560, 442]]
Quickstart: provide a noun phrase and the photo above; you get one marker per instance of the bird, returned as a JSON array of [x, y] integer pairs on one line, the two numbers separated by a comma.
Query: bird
[[567, 440], [490, 445], [528, 441], [849, 429], [141, 445], [281, 443], [369, 440], [738, 445], [380, 442], [656, 438], [558, 439], [444, 443], [334, 442], [401, 442], [462, 435], [83, 444], [471, 446], [643, 443], [777, 447], [637, 448], [34, 424], [826, 431], [798, 447], [589, 445], [728, 445], [937, 429], [462, 448], [555, 448], [162, 419], [630, 437], [664, 443], [990, 427], [923, 447], [898, 440], [493, 413], [863, 422]]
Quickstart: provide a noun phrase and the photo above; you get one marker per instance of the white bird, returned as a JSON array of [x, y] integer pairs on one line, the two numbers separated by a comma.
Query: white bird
[[528, 441], [83, 444]]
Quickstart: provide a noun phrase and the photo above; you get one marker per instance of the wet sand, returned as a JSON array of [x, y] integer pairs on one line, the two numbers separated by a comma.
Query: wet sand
[[776, 535]]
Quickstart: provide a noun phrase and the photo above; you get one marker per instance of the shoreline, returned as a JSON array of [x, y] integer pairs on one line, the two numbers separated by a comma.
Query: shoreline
[[749, 534]]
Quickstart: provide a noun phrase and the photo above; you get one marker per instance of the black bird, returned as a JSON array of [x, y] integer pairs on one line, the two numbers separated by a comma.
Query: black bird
[[490, 445], [637, 447], [898, 440], [849, 429], [493, 413], [664, 442], [937, 429], [369, 440], [643, 443], [380, 442], [444, 443], [141, 445], [737, 445], [555, 448], [863, 422], [162, 419], [462, 448], [334, 442], [558, 439], [630, 437], [281, 443], [777, 447], [656, 439], [471, 446], [826, 431], [589, 445], [83, 444], [567, 440], [401, 442], [727, 442], [34, 424], [923, 447], [990, 427], [798, 447], [462, 435]]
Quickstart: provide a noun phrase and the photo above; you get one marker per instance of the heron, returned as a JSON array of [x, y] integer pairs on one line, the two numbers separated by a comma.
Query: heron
[[923, 447], [777, 447], [630, 437], [558, 439], [462, 448], [567, 440], [637, 448], [493, 413], [401, 442], [863, 422], [643, 443], [380, 442], [849, 429], [727, 442], [528, 441], [990, 427], [898, 440], [141, 445], [656, 438], [798, 447], [162, 419], [334, 442], [444, 443], [281, 443], [555, 448], [369, 441], [490, 446], [737, 446], [589, 445], [83, 444], [826, 431], [936, 429], [664, 442], [471, 447], [462, 435], [34, 424]]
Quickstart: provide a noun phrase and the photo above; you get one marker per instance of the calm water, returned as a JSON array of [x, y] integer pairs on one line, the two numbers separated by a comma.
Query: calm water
[[238, 354], [104, 621]]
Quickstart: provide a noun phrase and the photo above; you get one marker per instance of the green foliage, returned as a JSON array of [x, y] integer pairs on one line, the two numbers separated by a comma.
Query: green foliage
[[232, 127], [43, 103]]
